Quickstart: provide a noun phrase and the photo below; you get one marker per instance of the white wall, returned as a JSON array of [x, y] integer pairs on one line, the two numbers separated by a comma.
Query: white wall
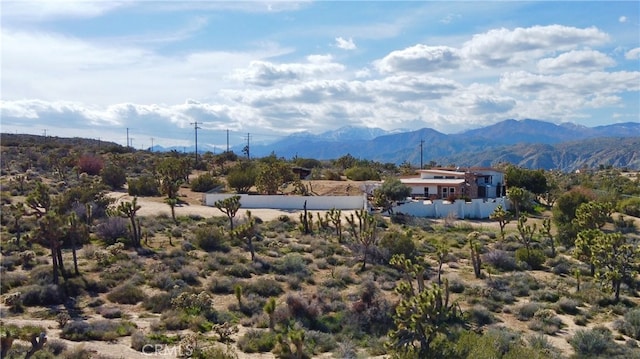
[[292, 202], [476, 209]]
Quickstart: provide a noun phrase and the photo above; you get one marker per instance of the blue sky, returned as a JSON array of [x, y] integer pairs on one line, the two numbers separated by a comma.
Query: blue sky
[[95, 68]]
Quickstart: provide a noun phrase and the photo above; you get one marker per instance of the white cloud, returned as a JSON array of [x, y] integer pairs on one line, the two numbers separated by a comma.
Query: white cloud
[[345, 44], [622, 19], [420, 58], [54, 67], [49, 9], [576, 60], [501, 47], [633, 54], [263, 73]]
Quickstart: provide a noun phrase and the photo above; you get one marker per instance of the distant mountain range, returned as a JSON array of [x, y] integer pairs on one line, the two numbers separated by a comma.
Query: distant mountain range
[[528, 143]]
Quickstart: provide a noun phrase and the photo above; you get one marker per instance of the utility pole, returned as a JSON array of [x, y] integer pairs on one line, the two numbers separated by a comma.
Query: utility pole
[[151, 144], [247, 147], [227, 140], [421, 148], [127, 137], [195, 127]]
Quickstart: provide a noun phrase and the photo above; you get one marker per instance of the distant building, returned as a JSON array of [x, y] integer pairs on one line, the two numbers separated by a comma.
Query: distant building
[[445, 183]]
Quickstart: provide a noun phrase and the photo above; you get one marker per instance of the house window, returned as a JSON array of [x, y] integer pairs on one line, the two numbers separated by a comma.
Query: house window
[[452, 190], [426, 192], [437, 177], [444, 192]]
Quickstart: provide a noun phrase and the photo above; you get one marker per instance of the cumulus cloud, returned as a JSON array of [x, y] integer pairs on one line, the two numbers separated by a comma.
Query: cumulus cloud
[[576, 60], [572, 83], [633, 54], [509, 47], [345, 44], [420, 58], [263, 73]]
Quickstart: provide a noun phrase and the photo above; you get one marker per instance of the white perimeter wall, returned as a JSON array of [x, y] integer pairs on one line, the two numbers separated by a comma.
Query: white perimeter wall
[[477, 208], [292, 202]]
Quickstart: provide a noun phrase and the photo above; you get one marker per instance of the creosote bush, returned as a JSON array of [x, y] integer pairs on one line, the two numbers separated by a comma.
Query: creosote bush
[[127, 293]]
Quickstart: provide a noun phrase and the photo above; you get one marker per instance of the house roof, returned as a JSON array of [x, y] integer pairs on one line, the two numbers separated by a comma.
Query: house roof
[[432, 181], [443, 172]]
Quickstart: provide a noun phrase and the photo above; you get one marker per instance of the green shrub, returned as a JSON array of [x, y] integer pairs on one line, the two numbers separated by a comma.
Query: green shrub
[[362, 174], [98, 330], [292, 263], [145, 185], [42, 295], [264, 287], [630, 206], [527, 310], [534, 258], [210, 238], [113, 176], [127, 293], [222, 285], [631, 324], [481, 316], [568, 306], [238, 270], [501, 260], [546, 295], [158, 303], [589, 342], [255, 341], [204, 183]]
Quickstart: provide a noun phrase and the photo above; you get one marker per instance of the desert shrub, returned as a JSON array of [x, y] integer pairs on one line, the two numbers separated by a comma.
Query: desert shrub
[[257, 341], [589, 342], [145, 185], [112, 228], [175, 319], [189, 275], [362, 174], [98, 330], [111, 312], [527, 310], [209, 238], [158, 303], [546, 321], [222, 285], [521, 284], [90, 164], [560, 265], [631, 324], [456, 286], [630, 206], [203, 183], [292, 263], [12, 280], [398, 243], [331, 175], [481, 316], [238, 270], [264, 287], [127, 293], [55, 346], [534, 258], [42, 295], [546, 295], [568, 306], [113, 176], [319, 342], [501, 260]]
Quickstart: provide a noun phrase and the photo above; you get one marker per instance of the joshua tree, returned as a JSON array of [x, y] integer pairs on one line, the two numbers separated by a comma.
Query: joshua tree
[[229, 206]]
